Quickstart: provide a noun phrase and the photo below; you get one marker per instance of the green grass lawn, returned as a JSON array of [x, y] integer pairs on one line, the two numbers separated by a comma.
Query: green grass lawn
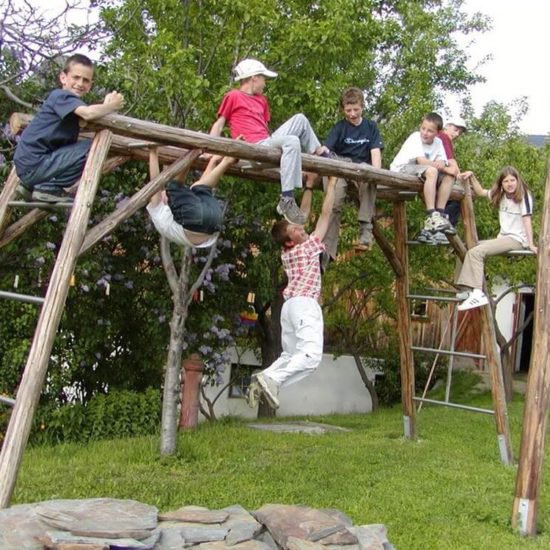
[[447, 490]]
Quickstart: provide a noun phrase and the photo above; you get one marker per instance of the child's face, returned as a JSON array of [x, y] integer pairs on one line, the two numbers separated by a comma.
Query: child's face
[[428, 131], [78, 79], [353, 112], [452, 131], [258, 84], [296, 233], [510, 184]]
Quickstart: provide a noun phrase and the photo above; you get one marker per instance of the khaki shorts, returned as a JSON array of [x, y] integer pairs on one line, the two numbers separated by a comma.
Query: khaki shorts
[[418, 170]]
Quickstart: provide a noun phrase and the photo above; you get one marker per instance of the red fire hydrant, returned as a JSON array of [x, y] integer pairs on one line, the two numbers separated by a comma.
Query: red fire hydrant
[[192, 367]]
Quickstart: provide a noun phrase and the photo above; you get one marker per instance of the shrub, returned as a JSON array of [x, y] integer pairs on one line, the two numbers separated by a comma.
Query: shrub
[[117, 414], [388, 385]]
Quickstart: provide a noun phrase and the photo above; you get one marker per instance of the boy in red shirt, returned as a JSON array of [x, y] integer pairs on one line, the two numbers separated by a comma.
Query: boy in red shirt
[[451, 131], [246, 111]]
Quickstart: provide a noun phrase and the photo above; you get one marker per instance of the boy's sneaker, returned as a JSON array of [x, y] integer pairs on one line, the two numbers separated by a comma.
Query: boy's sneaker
[[270, 389], [253, 394], [51, 196], [440, 238], [476, 299], [288, 208], [23, 193], [366, 238], [439, 222], [462, 294], [426, 237]]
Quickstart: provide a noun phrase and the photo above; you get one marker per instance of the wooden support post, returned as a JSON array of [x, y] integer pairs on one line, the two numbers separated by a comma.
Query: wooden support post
[[404, 320], [36, 368], [387, 249], [537, 396], [22, 224], [489, 340], [7, 193], [30, 218]]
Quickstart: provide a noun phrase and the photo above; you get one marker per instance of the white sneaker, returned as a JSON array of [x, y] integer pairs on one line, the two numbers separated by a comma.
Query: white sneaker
[[439, 222], [253, 394], [476, 299], [462, 294], [270, 389], [440, 238]]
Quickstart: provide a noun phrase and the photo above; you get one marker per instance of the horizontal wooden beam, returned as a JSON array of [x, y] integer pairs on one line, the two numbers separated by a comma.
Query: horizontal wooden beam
[[269, 157]]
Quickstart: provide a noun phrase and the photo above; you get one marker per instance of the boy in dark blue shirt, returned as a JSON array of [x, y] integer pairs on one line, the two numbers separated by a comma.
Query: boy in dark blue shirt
[[49, 157], [357, 139]]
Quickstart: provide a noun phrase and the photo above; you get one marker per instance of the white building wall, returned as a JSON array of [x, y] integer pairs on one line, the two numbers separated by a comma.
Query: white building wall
[[504, 314], [335, 387]]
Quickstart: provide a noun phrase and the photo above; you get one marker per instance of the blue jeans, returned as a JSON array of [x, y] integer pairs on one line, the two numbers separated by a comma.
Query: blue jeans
[[59, 169], [195, 209], [453, 211]]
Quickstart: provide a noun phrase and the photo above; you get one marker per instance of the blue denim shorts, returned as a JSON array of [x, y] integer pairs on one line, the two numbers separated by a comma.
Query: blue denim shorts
[[195, 209]]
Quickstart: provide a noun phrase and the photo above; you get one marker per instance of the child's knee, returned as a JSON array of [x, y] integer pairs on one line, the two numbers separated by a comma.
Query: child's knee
[[431, 173], [292, 143], [300, 118], [312, 359]]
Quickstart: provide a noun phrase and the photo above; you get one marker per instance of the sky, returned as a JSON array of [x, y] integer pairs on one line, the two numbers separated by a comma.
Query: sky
[[519, 66], [520, 49]]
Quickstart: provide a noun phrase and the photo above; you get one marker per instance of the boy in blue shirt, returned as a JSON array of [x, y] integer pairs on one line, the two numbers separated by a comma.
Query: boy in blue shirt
[[357, 139], [49, 157]]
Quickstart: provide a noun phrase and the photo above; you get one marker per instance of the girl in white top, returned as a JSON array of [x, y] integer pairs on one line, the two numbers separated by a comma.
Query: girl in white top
[[511, 196]]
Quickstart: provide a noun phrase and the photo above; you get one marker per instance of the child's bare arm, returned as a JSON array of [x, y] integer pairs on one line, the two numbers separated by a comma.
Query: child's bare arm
[[154, 171], [376, 158], [479, 191], [112, 102], [326, 211], [527, 225], [217, 127]]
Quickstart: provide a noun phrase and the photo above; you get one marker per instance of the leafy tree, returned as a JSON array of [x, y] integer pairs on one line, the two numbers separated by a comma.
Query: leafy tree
[[172, 61]]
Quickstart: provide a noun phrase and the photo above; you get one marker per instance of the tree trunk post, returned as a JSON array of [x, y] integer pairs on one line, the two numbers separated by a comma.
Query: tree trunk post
[[489, 340], [404, 321], [537, 396], [36, 368], [193, 367]]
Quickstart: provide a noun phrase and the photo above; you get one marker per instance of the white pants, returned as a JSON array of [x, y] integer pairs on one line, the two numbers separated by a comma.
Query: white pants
[[293, 137], [471, 274], [302, 341]]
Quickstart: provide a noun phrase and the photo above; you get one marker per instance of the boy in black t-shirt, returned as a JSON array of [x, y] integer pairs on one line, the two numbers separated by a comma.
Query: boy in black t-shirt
[[49, 157], [357, 139]]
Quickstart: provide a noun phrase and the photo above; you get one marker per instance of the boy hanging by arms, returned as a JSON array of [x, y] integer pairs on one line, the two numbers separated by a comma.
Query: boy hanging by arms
[[49, 157], [301, 315]]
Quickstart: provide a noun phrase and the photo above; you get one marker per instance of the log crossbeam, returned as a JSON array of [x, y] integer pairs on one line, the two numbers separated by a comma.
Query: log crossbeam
[[133, 137]]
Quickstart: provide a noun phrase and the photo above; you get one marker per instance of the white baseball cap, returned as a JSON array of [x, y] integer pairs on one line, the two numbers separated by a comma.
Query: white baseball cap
[[250, 67], [458, 122]]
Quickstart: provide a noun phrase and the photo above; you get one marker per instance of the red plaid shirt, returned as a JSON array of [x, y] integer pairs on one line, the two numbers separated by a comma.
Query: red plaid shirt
[[303, 269]]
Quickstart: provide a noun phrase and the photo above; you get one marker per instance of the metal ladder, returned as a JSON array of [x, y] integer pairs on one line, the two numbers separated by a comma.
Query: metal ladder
[[491, 356], [451, 352]]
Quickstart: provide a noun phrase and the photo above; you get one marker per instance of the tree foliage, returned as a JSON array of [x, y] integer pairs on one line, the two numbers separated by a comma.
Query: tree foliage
[[172, 60]]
